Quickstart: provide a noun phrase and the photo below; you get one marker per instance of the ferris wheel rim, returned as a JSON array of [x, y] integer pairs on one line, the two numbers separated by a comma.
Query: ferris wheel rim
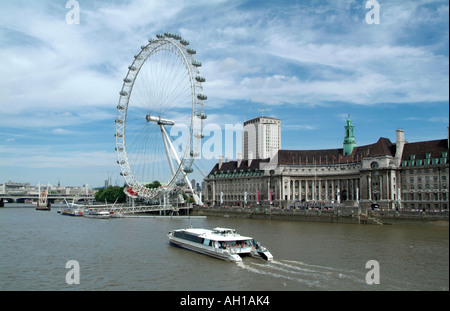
[[179, 47]]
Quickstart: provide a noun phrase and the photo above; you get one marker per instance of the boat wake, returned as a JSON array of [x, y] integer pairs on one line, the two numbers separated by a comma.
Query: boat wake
[[297, 275]]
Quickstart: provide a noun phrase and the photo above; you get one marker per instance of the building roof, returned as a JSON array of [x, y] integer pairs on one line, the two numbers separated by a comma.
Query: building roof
[[420, 149], [258, 118], [383, 147], [328, 156], [233, 165]]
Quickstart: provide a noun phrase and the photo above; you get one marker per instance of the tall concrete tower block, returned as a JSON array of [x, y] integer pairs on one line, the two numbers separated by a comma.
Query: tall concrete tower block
[[261, 138], [349, 140]]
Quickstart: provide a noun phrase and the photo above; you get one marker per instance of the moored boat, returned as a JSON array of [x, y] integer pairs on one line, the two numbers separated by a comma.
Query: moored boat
[[97, 214], [72, 212], [115, 215], [222, 243]]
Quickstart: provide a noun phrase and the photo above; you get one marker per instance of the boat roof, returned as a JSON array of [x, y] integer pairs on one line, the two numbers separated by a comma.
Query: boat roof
[[217, 234]]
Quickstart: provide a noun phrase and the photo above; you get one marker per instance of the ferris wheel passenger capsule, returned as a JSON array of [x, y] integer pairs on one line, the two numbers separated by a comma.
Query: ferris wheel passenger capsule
[[191, 51], [202, 115], [200, 79], [202, 97]]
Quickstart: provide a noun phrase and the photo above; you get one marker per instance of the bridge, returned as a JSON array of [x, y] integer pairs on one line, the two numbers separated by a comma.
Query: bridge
[[124, 209], [17, 198]]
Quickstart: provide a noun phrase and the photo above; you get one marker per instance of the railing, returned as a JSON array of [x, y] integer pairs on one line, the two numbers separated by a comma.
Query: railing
[[136, 209]]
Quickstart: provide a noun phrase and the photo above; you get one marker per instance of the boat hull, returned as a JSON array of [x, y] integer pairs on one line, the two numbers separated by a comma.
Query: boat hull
[[266, 255], [97, 215], [205, 250], [72, 214], [43, 208]]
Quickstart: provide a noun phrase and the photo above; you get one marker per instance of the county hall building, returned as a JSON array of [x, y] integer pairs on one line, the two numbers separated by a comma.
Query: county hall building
[[400, 174]]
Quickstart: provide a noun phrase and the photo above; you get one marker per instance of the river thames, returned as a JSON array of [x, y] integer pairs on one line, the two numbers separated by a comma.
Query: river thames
[[134, 254]]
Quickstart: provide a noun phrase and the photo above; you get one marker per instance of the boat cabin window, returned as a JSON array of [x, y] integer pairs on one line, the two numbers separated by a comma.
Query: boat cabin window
[[236, 244], [188, 236]]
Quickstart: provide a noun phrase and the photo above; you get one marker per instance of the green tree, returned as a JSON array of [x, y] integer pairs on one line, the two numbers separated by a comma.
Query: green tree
[[153, 185], [111, 194]]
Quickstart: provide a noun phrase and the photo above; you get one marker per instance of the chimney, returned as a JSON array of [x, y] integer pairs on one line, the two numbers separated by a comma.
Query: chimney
[[220, 162], [399, 146]]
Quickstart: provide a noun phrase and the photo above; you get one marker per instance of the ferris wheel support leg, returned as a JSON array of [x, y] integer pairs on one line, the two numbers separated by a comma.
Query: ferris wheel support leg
[[177, 159], [164, 137]]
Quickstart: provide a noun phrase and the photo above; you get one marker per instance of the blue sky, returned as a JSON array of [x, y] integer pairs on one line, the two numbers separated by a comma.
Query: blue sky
[[308, 63]]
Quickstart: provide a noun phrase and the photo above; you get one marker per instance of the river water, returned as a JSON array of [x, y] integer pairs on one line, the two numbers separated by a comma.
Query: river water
[[134, 254]]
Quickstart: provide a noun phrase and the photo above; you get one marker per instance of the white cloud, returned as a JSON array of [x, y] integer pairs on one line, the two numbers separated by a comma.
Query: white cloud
[[298, 127], [60, 131], [35, 158]]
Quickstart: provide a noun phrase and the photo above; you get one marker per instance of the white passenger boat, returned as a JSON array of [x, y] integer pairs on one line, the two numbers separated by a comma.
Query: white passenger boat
[[97, 214], [222, 243]]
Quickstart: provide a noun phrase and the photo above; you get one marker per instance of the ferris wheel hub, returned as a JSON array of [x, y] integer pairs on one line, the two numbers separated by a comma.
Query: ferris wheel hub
[[159, 120]]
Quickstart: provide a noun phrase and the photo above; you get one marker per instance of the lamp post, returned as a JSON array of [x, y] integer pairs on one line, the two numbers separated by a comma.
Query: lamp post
[[439, 188]]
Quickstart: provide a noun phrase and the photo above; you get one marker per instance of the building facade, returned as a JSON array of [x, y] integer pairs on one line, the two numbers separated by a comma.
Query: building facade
[[392, 175]]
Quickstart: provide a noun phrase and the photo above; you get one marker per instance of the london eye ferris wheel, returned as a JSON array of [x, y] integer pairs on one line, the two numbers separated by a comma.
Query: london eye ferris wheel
[[160, 118]]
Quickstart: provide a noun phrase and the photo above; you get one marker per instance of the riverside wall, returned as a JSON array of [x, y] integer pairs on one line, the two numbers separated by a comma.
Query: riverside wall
[[347, 215]]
